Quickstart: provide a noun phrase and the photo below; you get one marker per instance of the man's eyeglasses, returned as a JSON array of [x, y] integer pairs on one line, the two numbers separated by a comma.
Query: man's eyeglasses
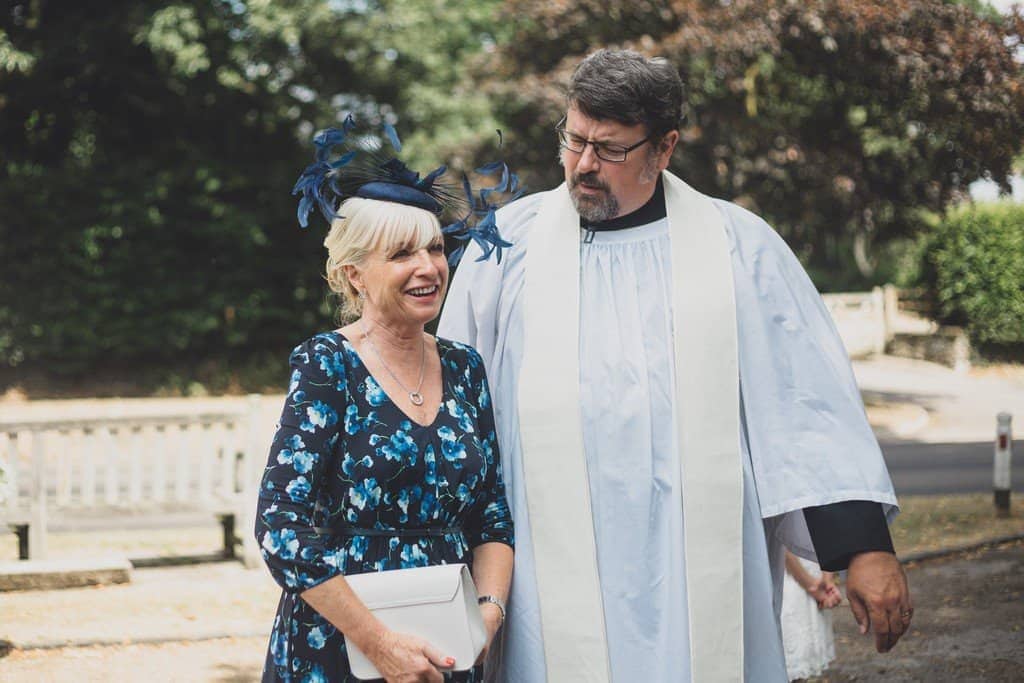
[[605, 151]]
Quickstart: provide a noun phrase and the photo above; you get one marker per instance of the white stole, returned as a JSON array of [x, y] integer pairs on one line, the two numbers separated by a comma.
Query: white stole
[[707, 405]]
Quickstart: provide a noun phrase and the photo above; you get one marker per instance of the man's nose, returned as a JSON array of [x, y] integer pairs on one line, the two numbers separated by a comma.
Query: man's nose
[[589, 161]]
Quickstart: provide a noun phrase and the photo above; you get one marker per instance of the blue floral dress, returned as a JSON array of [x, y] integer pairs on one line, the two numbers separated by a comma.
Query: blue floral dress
[[344, 455]]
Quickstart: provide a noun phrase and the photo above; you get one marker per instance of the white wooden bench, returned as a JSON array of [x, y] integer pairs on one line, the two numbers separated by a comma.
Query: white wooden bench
[[133, 468]]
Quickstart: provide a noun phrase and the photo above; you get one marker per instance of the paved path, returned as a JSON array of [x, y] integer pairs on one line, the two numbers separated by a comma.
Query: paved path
[[205, 622], [968, 625], [225, 660], [960, 407], [194, 602]]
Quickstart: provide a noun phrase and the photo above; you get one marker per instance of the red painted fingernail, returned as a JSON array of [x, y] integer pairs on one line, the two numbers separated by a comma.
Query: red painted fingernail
[[450, 661]]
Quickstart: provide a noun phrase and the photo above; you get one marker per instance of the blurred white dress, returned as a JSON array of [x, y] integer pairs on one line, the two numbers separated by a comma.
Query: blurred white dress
[[806, 630]]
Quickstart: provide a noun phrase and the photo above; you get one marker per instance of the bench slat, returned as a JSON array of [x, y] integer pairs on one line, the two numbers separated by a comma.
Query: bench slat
[[37, 503]]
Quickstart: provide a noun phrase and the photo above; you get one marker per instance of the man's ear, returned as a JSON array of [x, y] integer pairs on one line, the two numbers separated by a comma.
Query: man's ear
[[666, 146]]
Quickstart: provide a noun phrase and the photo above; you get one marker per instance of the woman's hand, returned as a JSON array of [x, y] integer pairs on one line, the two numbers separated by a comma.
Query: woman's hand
[[402, 658], [492, 622]]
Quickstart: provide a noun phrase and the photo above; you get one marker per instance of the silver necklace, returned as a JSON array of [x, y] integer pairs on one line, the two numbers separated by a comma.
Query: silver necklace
[[415, 396]]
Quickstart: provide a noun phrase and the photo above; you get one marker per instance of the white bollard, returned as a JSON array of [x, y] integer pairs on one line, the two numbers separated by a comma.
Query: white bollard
[[1001, 464]]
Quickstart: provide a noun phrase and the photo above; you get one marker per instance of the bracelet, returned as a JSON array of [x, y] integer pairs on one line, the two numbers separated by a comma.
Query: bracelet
[[494, 601]]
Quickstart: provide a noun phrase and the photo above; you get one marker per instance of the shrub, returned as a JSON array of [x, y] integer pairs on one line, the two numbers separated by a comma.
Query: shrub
[[974, 267]]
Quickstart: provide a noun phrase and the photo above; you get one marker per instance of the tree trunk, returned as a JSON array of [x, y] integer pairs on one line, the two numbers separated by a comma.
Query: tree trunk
[[863, 240]]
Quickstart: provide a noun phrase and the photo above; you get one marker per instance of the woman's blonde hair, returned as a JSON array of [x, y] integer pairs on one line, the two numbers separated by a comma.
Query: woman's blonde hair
[[366, 225]]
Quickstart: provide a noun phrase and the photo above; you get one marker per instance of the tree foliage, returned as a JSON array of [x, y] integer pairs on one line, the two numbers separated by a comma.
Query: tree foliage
[[148, 151], [973, 262], [838, 121]]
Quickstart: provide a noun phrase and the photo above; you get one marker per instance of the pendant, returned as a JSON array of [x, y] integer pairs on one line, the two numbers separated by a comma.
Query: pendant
[[416, 398]]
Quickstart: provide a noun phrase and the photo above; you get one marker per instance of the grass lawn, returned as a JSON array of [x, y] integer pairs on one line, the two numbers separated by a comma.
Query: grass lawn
[[934, 522]]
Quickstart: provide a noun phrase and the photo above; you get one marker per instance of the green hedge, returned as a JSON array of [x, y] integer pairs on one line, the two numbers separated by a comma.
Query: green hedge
[[974, 267]]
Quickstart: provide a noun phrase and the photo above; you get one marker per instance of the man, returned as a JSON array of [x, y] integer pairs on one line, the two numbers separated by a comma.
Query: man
[[673, 405]]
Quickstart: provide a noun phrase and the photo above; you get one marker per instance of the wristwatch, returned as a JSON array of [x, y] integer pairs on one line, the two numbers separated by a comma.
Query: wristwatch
[[494, 601]]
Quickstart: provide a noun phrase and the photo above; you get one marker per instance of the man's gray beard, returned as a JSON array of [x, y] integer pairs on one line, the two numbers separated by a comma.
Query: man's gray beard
[[595, 208]]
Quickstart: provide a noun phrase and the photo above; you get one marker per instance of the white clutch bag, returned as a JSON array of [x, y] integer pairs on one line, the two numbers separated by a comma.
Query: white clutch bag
[[435, 603]]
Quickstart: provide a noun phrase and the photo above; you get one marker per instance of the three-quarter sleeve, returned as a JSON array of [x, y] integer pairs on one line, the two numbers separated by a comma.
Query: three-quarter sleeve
[[298, 464], [491, 520]]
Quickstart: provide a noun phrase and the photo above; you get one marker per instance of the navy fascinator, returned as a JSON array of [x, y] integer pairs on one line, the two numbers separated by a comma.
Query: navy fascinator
[[360, 170]]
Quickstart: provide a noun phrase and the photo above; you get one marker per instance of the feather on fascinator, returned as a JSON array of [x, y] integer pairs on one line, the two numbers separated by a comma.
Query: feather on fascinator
[[359, 170]]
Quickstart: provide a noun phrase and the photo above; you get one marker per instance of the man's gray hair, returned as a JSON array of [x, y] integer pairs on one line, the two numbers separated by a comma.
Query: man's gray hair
[[625, 86]]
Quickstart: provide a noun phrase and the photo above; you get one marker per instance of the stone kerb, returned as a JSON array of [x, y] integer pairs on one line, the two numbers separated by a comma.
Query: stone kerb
[[52, 574]]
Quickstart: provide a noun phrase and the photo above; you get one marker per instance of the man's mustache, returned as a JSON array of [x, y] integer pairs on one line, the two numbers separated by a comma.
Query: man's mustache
[[590, 180]]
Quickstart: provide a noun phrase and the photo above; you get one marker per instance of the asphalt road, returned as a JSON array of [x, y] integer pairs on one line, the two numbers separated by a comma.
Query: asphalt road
[[932, 468]]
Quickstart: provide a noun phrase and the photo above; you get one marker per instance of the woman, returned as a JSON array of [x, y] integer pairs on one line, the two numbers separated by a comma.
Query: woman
[[386, 439]]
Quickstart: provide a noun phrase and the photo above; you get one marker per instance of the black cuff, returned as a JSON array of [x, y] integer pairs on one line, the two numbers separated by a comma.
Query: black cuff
[[841, 530]]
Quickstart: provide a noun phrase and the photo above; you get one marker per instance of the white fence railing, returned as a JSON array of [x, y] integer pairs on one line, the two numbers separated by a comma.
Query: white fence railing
[[134, 465]]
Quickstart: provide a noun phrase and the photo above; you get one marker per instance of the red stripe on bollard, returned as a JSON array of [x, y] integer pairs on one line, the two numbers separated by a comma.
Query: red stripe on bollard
[[1001, 465]]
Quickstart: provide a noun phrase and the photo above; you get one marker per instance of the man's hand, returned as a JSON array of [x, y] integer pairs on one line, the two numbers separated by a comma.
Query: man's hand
[[879, 597]]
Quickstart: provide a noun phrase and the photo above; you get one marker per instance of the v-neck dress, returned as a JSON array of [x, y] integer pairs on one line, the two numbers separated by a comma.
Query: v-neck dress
[[346, 457]]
